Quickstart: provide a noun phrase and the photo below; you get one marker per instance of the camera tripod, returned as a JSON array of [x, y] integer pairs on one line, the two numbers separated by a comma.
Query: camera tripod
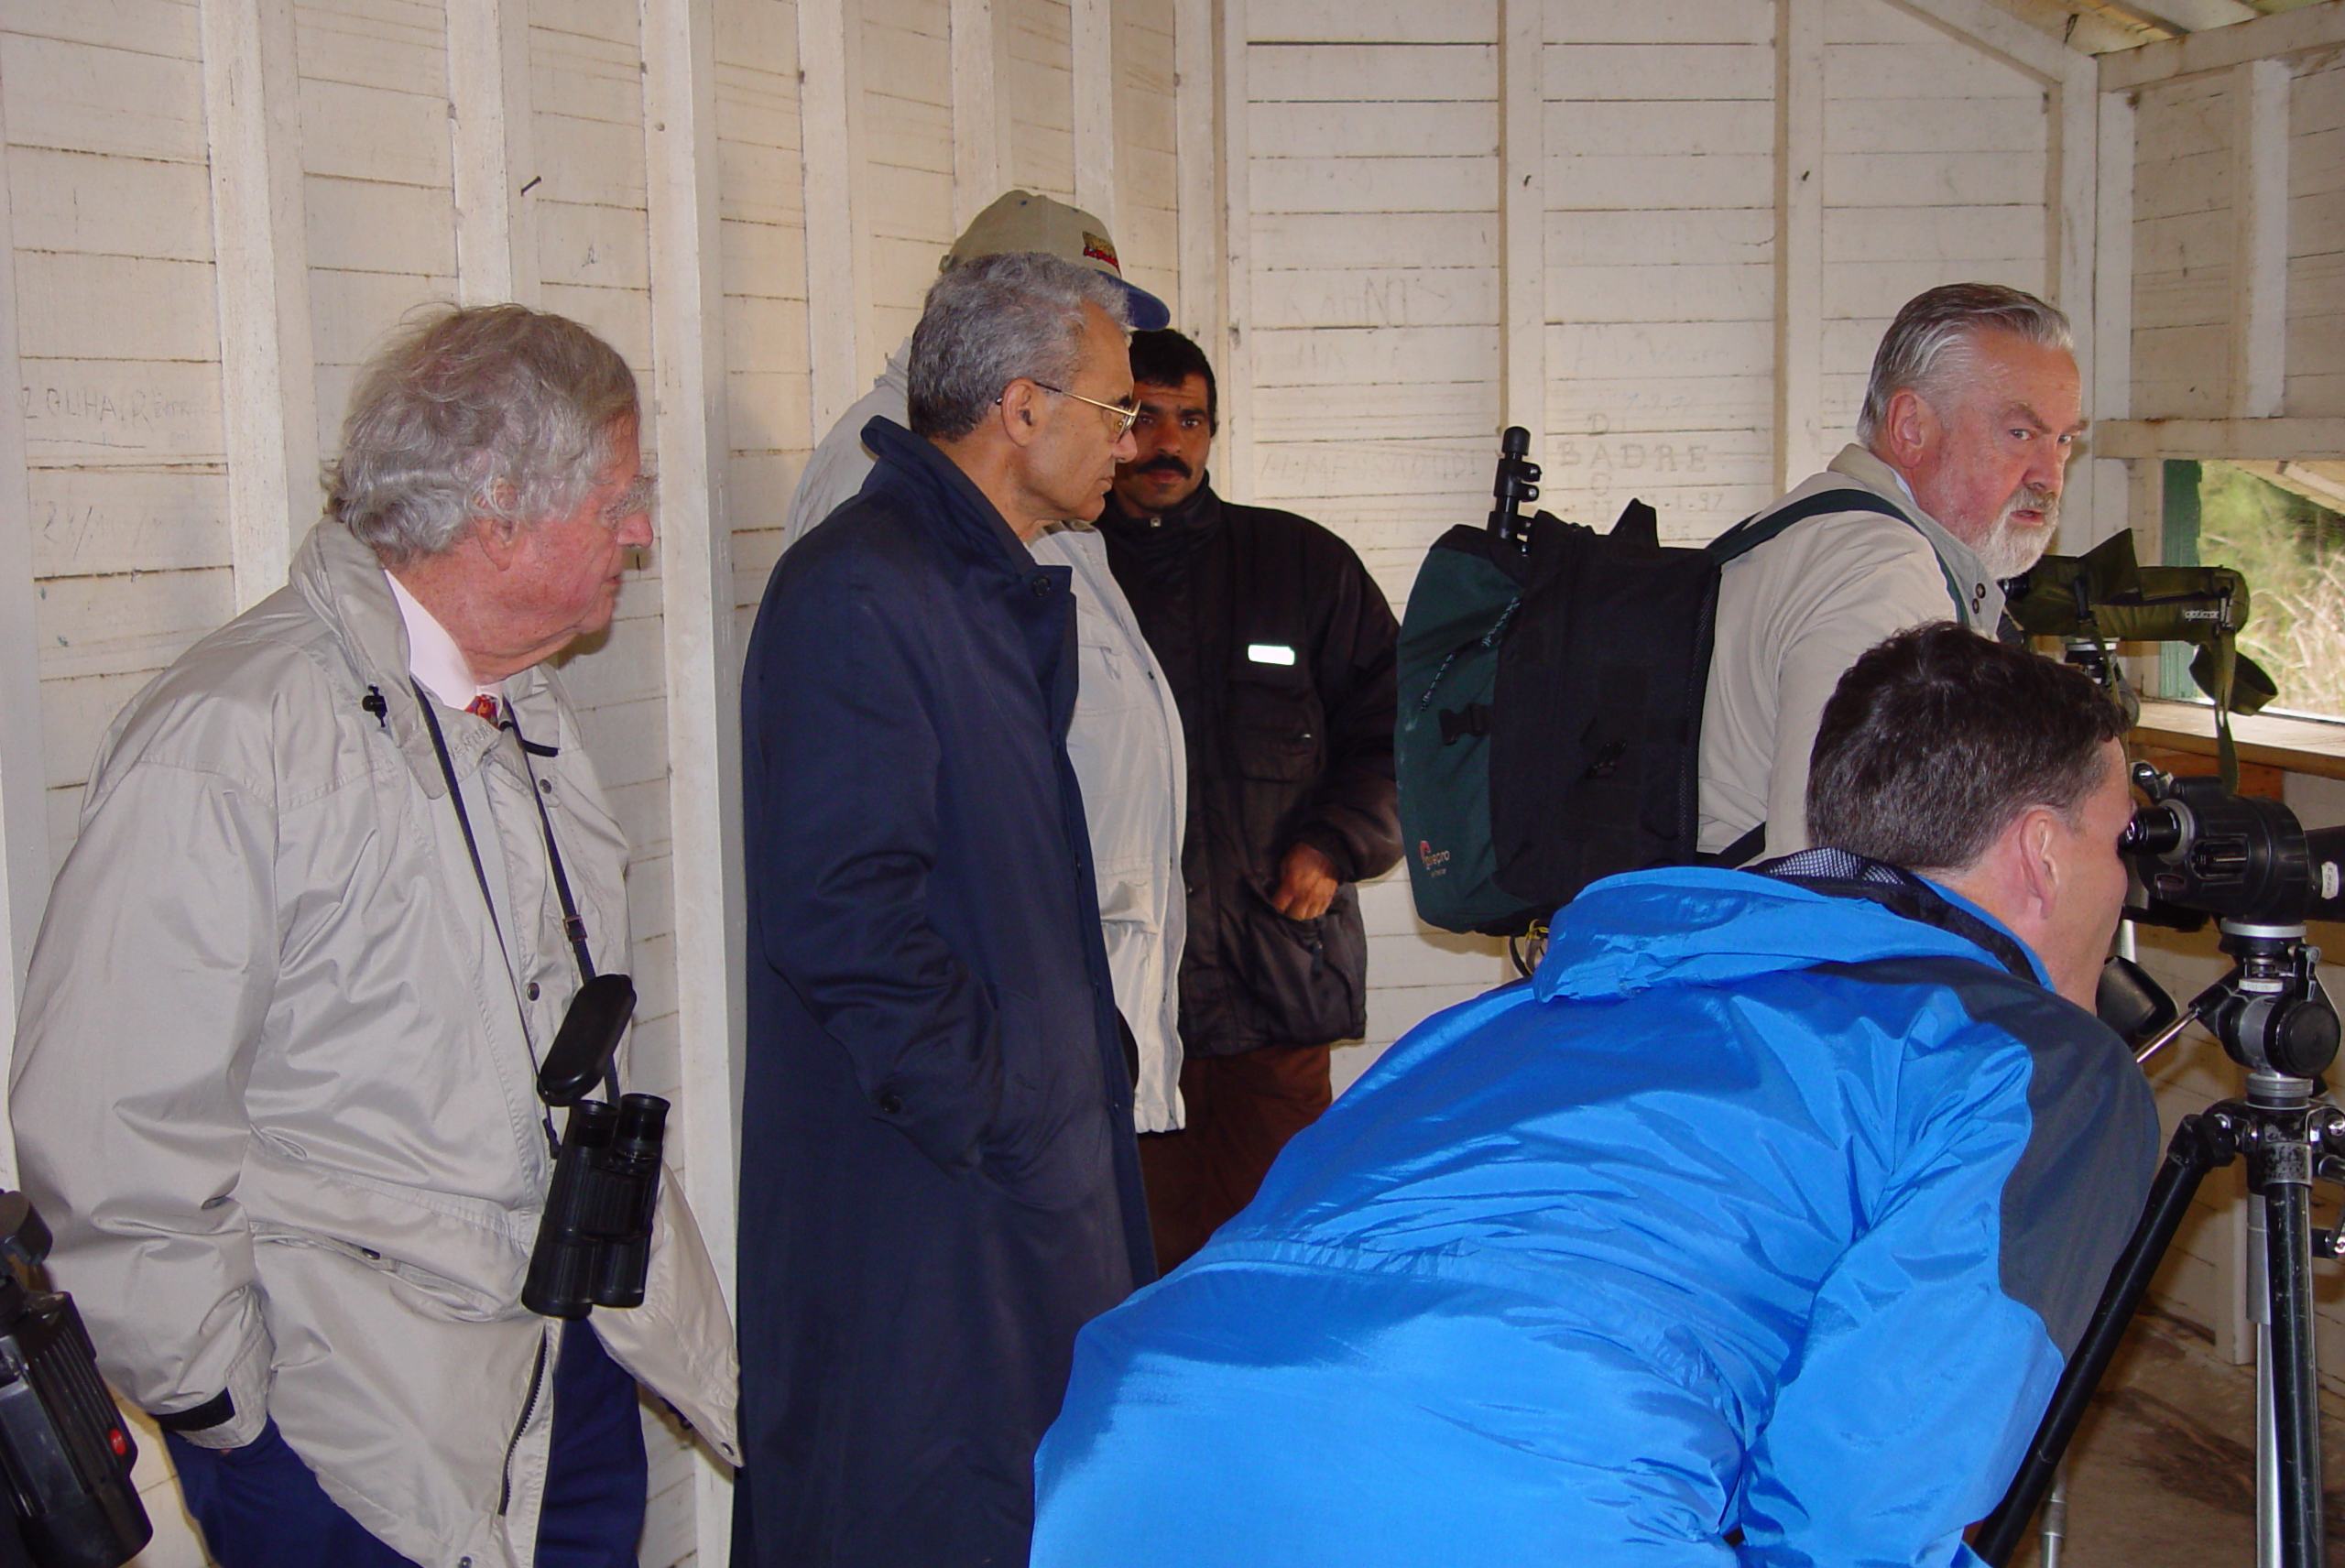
[[2273, 1018]]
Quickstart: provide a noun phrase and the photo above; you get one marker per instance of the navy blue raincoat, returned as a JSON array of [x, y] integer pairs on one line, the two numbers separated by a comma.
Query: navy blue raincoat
[[939, 1182]]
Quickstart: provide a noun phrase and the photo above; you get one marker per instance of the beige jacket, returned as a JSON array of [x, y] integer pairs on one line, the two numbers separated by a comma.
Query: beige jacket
[[1793, 613], [271, 1088]]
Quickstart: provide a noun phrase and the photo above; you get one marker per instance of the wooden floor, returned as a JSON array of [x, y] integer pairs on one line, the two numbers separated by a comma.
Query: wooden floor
[[2162, 1474]]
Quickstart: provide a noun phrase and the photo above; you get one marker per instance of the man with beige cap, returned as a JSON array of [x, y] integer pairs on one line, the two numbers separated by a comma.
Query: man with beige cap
[[1125, 739]]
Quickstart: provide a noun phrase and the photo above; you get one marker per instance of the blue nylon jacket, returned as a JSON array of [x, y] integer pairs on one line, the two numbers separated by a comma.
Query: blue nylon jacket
[[1755, 1209]]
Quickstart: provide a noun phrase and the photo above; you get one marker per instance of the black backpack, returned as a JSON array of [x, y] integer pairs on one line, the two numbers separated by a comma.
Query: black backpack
[[1551, 688]]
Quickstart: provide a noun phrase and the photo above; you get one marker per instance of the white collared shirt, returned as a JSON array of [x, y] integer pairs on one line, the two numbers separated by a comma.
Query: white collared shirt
[[433, 655], [440, 668]]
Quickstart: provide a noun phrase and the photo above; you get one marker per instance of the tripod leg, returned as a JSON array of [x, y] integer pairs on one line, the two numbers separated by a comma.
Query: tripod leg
[[2198, 1145], [2294, 1383]]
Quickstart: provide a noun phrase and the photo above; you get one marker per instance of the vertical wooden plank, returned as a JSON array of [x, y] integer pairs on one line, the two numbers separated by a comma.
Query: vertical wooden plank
[[2110, 391], [1091, 48], [489, 127], [835, 295], [1196, 96], [1234, 365], [2260, 268], [1799, 240], [1523, 216], [269, 393], [701, 668], [2073, 248], [980, 110], [24, 818]]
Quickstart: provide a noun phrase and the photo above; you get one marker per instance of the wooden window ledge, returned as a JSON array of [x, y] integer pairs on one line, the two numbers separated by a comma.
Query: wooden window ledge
[[2296, 745]]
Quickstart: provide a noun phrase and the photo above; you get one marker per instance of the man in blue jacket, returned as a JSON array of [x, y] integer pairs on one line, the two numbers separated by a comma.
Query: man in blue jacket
[[939, 1181], [1772, 1204]]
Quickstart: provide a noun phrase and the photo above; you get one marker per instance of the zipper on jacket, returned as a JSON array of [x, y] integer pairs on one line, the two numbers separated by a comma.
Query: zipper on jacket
[[529, 1409]]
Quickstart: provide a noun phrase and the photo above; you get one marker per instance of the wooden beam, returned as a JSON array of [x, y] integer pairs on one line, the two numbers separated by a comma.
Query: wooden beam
[[24, 772], [1799, 241], [2072, 270], [1197, 157], [702, 667], [2320, 440], [1996, 30], [2259, 96], [2110, 392], [1523, 216], [1235, 365], [2270, 38], [495, 157], [259, 229], [828, 114], [1092, 56], [980, 110]]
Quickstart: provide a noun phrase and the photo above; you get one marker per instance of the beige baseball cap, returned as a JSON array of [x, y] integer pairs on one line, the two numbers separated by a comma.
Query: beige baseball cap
[[1024, 221]]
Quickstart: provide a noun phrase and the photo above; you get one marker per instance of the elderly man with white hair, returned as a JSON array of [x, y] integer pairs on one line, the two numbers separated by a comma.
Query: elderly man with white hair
[[1952, 485], [340, 870]]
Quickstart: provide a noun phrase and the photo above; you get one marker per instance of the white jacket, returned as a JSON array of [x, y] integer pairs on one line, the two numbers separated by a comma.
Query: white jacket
[[1793, 613], [1125, 741], [271, 1089]]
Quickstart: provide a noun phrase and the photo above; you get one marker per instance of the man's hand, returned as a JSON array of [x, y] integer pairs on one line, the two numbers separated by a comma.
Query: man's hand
[[1307, 884]]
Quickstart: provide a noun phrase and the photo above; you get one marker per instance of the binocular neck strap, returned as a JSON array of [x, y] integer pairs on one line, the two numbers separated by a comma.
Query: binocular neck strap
[[480, 874], [573, 925]]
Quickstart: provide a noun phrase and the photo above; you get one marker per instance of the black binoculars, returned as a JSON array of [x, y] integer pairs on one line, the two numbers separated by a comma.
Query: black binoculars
[[593, 1244]]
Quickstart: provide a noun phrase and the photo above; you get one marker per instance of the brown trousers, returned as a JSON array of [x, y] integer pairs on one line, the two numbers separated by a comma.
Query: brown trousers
[[1240, 1111]]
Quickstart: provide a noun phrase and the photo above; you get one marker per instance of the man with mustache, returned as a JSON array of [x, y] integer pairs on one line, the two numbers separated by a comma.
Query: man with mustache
[[1968, 423], [1279, 648]]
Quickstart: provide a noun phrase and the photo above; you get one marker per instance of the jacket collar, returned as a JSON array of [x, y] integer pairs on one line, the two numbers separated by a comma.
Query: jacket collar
[[1982, 597], [342, 581], [967, 520], [1162, 539], [1697, 925]]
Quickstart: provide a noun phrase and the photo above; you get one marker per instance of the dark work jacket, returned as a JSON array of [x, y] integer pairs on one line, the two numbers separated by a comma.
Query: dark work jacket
[[939, 1181], [1280, 753]]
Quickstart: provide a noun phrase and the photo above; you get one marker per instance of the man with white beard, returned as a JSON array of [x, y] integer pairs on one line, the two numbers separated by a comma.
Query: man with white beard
[[1952, 487]]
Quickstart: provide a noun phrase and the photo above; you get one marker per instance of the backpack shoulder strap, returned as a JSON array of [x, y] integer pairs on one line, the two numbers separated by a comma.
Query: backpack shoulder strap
[[1757, 528]]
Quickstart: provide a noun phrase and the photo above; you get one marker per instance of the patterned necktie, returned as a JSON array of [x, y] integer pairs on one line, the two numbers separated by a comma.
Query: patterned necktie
[[483, 707]]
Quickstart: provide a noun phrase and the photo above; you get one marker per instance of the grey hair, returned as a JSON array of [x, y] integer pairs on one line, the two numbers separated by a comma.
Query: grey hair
[[989, 321], [1934, 329], [496, 411]]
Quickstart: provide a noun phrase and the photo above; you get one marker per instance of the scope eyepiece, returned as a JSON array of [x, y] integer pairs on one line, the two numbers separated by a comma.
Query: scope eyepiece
[[2155, 830]]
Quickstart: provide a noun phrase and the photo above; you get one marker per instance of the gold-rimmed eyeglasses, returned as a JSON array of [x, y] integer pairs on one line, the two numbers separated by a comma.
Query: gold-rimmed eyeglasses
[[1124, 416]]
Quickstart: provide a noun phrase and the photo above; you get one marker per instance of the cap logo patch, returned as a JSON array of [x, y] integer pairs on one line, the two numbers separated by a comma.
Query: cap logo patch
[[1099, 247]]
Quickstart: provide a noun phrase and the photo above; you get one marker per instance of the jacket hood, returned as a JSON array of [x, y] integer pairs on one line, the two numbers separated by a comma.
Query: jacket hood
[[1700, 926]]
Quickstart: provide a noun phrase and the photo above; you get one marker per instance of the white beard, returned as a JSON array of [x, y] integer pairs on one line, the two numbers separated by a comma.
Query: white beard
[[2009, 550]]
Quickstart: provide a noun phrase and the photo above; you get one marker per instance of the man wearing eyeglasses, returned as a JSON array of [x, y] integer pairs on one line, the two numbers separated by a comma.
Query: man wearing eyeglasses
[[1124, 734], [1279, 647], [939, 1182]]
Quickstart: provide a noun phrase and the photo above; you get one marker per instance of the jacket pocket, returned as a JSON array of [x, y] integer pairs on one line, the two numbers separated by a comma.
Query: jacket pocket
[[1308, 978], [1047, 1147], [1274, 727]]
